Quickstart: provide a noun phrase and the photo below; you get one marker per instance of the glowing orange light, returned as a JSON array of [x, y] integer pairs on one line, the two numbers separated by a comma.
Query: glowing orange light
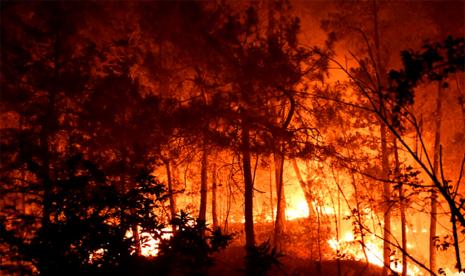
[[149, 247], [349, 246]]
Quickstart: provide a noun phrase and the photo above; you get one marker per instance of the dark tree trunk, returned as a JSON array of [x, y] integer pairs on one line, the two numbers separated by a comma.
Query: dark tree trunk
[[381, 73], [271, 196], [387, 200], [124, 185], [434, 194], [171, 198], [248, 191], [214, 198], [281, 202], [403, 220], [203, 184], [456, 242]]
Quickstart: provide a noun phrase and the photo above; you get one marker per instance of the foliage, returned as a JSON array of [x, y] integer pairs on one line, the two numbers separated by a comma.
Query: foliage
[[89, 222], [91, 219], [262, 258], [434, 63], [189, 251]]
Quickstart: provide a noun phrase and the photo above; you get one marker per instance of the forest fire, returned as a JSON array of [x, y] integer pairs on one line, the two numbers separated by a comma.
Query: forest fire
[[370, 251], [232, 137], [149, 245], [297, 210]]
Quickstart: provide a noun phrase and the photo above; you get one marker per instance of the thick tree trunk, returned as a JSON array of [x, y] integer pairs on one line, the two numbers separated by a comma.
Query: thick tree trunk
[[434, 194], [271, 196], [135, 233], [214, 198], [248, 189], [281, 202], [203, 184], [456, 242]]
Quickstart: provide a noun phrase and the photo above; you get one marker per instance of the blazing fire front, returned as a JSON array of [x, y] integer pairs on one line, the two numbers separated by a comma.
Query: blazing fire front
[[232, 137]]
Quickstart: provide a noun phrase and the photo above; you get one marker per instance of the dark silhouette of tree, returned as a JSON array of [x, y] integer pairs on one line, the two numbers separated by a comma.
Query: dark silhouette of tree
[[189, 251], [435, 63], [265, 67], [81, 133], [42, 76]]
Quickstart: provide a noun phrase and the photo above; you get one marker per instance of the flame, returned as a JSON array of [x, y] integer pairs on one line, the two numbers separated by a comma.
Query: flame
[[352, 249], [447, 271], [297, 210], [297, 207], [97, 255], [149, 244]]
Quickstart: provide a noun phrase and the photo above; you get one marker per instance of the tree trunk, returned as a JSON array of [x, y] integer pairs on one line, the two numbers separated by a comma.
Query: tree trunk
[[387, 200], [319, 264], [281, 202], [125, 184], [230, 195], [135, 234], [403, 226], [381, 75], [359, 219], [403, 220], [214, 187], [305, 186], [456, 242], [248, 189], [203, 184], [271, 195], [461, 99], [170, 190], [434, 195], [462, 105]]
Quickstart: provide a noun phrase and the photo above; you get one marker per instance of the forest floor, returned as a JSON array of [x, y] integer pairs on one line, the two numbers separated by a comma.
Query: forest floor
[[231, 262], [305, 244]]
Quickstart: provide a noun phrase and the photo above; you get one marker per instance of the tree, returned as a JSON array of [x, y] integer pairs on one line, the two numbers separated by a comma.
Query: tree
[[83, 140], [375, 76], [435, 63], [42, 79], [190, 250]]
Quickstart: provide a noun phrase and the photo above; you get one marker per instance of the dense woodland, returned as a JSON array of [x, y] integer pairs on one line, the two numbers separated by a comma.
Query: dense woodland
[[232, 137]]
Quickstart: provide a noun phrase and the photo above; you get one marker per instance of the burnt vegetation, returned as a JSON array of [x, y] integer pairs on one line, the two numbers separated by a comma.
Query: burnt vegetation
[[233, 137]]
